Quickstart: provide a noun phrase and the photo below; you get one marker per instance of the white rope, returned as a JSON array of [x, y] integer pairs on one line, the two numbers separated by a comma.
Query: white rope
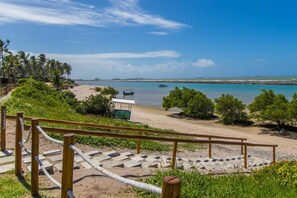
[[28, 135], [25, 140], [70, 194], [24, 148], [47, 173], [143, 186], [48, 137]]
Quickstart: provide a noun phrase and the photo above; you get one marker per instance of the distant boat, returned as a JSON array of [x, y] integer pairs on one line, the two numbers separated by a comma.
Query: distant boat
[[127, 92], [162, 85]]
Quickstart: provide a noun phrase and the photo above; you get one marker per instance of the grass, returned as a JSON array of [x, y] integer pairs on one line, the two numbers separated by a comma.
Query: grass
[[10, 187], [279, 180]]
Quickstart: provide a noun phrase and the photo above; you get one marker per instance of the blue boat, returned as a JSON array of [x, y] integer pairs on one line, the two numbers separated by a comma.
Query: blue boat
[[127, 92]]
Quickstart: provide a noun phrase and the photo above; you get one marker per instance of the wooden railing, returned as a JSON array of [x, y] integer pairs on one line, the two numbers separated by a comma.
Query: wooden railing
[[141, 134], [140, 131]]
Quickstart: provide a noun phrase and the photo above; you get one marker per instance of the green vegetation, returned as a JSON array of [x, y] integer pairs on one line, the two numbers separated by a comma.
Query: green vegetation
[[22, 65], [193, 103], [230, 109], [269, 107], [108, 91], [36, 99], [279, 180], [10, 187]]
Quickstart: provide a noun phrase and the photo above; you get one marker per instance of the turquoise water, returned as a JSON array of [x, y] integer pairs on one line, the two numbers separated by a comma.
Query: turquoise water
[[149, 94]]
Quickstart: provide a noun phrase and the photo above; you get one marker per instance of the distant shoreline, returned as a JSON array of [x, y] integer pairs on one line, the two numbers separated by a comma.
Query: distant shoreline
[[251, 82]]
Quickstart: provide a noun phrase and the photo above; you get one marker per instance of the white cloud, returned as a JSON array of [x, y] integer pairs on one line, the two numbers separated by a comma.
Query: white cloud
[[159, 33], [204, 63], [66, 12], [125, 55]]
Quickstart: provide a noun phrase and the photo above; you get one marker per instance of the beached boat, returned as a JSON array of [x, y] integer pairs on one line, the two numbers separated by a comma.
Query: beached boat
[[127, 92], [162, 85]]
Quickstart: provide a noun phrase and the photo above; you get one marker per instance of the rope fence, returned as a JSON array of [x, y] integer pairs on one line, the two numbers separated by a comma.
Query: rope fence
[[53, 180], [140, 185], [48, 137]]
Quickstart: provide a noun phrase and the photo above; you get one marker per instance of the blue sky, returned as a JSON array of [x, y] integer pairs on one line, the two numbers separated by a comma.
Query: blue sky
[[157, 38]]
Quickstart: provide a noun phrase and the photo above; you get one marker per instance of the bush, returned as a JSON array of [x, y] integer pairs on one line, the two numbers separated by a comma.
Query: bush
[[271, 107], [109, 91], [230, 109], [193, 103], [70, 98], [96, 105]]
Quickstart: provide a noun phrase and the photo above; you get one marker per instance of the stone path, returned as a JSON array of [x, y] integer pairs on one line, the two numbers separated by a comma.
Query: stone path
[[52, 160]]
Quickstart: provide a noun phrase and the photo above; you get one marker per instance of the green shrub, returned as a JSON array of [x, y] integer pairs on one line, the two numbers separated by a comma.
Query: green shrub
[[98, 89], [271, 107], [109, 91], [70, 98], [230, 109], [193, 103], [96, 105]]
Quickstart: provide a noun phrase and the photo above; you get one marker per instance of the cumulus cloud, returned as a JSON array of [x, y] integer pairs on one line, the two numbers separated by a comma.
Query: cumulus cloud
[[66, 12], [204, 63]]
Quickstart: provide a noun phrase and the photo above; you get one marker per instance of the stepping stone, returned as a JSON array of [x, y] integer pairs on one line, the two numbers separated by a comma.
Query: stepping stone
[[93, 153], [101, 158], [140, 155], [151, 159], [149, 165], [164, 165], [78, 159], [6, 168], [120, 158], [27, 160], [25, 153], [131, 164], [113, 164], [5, 153], [187, 166], [127, 154], [47, 165], [137, 159], [112, 153], [5, 160], [88, 166], [199, 160], [52, 152], [60, 166], [56, 158]]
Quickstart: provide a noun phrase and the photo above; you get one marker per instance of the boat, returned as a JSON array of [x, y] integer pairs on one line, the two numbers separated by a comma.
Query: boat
[[162, 85], [127, 92]]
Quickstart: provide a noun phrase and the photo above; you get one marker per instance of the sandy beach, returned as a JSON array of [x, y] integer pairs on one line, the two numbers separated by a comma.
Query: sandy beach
[[158, 118]]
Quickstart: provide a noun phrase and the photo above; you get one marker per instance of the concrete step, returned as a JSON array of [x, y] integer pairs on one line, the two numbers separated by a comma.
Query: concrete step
[[8, 159], [6, 168], [5, 153]]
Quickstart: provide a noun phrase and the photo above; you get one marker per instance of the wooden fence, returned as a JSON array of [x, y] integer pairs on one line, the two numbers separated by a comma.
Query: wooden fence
[[141, 134]]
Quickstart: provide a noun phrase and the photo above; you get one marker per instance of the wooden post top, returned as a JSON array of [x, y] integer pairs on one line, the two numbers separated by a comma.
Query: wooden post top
[[172, 180]]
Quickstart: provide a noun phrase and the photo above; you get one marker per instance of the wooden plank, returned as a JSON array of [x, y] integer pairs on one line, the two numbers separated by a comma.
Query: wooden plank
[[34, 163], [3, 128], [18, 148]]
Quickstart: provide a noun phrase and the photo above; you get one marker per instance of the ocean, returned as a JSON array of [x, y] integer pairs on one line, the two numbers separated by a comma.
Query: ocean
[[149, 94]]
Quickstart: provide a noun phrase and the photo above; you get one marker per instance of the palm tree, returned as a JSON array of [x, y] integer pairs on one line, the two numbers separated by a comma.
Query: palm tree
[[23, 67], [3, 50]]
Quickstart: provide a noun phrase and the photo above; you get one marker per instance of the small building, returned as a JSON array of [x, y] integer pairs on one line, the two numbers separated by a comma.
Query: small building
[[122, 108]]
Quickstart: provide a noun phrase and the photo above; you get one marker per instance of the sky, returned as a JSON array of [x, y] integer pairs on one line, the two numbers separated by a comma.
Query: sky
[[157, 38]]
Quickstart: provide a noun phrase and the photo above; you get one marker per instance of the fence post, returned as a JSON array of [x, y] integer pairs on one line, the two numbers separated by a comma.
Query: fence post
[[173, 161], [139, 143], [3, 128], [67, 169], [34, 163], [209, 149], [273, 154], [171, 187], [245, 156], [18, 148], [241, 150]]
